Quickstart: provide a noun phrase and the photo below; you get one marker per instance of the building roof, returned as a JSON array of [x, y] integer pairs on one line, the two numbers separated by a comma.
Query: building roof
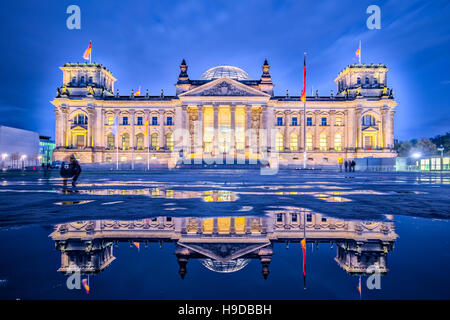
[[225, 71]]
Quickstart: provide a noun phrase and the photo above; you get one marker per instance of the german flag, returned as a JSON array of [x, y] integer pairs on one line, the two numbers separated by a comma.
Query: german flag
[[87, 53], [138, 92], [86, 285], [303, 98], [146, 126]]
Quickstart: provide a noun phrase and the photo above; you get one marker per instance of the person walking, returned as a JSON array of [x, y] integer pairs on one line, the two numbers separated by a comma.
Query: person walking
[[70, 170], [340, 161], [346, 165], [353, 165]]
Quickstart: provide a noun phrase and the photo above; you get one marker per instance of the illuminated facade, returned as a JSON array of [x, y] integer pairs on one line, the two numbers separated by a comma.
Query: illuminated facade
[[223, 114], [226, 244]]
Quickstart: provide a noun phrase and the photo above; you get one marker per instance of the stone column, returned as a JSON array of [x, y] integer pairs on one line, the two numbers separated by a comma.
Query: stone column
[[147, 136], [332, 119], [269, 126], [162, 139], [248, 119], [58, 128], [216, 130], [286, 132], [65, 127], [390, 140], [232, 131], [358, 128], [316, 140], [132, 114], [199, 130]]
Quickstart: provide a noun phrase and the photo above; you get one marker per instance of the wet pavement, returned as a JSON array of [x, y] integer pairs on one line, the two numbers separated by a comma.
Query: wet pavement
[[228, 234]]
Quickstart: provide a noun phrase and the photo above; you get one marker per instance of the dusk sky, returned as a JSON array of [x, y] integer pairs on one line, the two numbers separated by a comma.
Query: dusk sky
[[143, 42]]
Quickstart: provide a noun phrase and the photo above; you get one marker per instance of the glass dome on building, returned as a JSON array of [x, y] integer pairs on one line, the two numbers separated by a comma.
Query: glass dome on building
[[225, 267], [225, 71]]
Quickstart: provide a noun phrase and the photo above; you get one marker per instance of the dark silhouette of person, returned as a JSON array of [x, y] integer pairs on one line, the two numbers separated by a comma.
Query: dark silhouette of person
[[70, 170], [353, 165], [346, 165]]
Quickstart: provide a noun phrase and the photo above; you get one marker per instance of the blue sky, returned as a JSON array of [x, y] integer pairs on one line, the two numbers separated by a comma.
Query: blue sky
[[143, 43]]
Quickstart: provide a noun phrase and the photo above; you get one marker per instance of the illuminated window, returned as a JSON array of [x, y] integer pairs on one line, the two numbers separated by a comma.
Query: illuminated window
[[169, 141], [279, 142], [338, 121], [140, 141], [110, 141], [293, 143], [309, 142], [154, 141], [110, 120], [125, 141], [323, 142], [337, 142]]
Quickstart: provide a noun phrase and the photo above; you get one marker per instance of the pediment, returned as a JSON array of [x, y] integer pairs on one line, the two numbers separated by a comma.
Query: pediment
[[224, 87], [223, 251], [370, 129]]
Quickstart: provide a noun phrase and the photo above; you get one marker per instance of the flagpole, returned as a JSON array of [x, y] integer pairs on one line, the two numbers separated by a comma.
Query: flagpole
[[90, 53], [304, 121], [359, 51], [148, 149], [117, 152], [304, 255]]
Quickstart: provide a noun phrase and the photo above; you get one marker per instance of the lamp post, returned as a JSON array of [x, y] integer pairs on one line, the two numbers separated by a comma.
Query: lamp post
[[23, 157], [4, 156], [441, 149]]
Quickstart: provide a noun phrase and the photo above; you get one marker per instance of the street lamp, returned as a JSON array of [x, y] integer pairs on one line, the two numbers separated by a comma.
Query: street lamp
[[23, 157], [441, 149], [4, 156]]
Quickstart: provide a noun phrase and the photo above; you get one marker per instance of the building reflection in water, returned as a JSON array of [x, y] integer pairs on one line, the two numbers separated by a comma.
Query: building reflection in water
[[227, 244]]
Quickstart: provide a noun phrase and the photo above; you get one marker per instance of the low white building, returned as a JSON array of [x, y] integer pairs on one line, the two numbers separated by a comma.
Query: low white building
[[18, 148]]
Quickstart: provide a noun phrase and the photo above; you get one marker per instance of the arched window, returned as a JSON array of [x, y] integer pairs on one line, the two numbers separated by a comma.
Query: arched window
[[154, 141], [110, 141], [140, 141], [375, 81], [309, 142], [358, 80], [125, 141], [80, 119], [110, 120], [323, 142], [367, 80], [279, 142], [82, 79], [293, 143], [368, 120], [337, 142], [169, 141]]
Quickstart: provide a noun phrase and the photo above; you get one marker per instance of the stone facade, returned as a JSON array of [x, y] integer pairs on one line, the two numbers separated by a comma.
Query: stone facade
[[224, 114]]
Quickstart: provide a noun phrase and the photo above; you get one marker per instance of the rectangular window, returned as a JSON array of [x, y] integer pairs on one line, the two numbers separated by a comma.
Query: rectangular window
[[154, 121], [169, 121], [338, 121], [125, 121], [294, 121], [324, 121], [309, 142], [309, 121], [294, 217], [279, 121], [110, 121], [279, 217], [139, 121], [309, 217]]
